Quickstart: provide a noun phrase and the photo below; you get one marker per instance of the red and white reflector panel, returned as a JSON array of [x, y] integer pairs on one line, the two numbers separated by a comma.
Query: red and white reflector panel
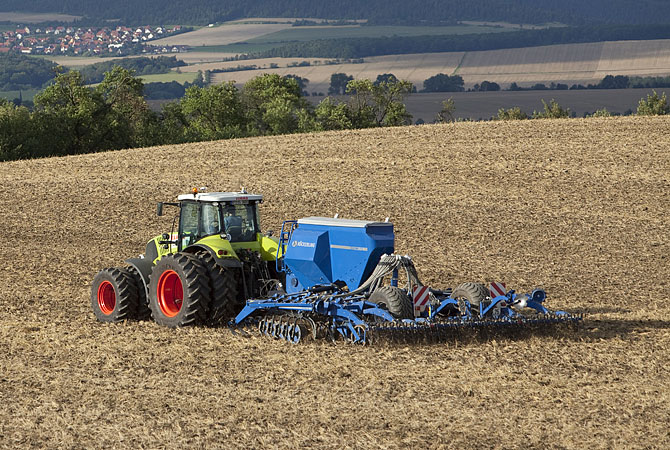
[[496, 289], [421, 295]]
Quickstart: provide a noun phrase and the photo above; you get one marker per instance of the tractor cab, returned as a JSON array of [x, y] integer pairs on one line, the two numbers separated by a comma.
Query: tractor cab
[[224, 224], [231, 215]]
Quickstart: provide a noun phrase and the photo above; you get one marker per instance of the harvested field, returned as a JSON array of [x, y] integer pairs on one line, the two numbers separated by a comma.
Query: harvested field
[[579, 206], [568, 63], [222, 35]]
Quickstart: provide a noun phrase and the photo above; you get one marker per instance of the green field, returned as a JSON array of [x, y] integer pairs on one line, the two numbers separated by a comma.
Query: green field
[[171, 76], [236, 48], [26, 94], [302, 34], [338, 32]]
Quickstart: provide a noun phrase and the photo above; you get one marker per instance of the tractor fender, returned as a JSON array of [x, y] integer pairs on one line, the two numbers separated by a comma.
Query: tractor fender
[[143, 267], [223, 262]]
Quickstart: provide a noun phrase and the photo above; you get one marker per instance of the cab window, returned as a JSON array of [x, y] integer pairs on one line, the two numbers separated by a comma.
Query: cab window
[[210, 220], [240, 222], [188, 224]]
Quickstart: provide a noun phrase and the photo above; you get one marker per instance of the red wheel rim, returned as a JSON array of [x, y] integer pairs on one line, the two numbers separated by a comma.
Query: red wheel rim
[[106, 297], [170, 293]]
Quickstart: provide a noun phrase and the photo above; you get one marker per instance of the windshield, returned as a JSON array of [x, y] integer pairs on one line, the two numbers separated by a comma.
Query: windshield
[[240, 221], [200, 219]]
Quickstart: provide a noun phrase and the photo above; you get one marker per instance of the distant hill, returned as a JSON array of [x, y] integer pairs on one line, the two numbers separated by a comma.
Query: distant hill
[[574, 12]]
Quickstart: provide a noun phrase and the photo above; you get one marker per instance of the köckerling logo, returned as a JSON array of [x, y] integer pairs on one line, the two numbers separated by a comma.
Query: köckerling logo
[[303, 244]]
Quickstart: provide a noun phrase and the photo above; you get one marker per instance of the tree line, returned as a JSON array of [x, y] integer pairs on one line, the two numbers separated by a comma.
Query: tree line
[[19, 72], [386, 12], [70, 117]]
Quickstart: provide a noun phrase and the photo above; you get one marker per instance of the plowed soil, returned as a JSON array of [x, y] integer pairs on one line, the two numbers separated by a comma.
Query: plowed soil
[[577, 206]]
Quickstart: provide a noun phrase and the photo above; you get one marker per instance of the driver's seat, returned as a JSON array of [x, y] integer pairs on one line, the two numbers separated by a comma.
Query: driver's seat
[[233, 227]]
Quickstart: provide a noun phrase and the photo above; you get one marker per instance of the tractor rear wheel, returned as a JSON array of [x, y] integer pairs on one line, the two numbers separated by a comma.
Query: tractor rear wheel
[[114, 295], [179, 292], [224, 304], [474, 293], [143, 312], [395, 300]]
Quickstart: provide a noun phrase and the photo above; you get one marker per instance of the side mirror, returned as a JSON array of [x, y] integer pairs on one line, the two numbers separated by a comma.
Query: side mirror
[[159, 209], [269, 233]]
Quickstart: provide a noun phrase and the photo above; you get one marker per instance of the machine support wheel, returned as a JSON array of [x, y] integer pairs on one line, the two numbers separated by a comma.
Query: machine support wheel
[[114, 295], [223, 284], [395, 300], [179, 292], [474, 293]]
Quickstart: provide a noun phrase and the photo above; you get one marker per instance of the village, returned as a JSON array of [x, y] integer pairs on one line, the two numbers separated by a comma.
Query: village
[[68, 40]]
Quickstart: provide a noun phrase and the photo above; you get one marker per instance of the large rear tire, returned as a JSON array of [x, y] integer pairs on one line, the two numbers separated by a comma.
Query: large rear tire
[[179, 292], [474, 293], [143, 311], [395, 300], [223, 282], [114, 295]]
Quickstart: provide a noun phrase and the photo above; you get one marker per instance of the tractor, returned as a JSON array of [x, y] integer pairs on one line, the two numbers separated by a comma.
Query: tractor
[[201, 272]]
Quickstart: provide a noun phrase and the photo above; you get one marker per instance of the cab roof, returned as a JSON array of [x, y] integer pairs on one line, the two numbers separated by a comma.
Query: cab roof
[[220, 197]]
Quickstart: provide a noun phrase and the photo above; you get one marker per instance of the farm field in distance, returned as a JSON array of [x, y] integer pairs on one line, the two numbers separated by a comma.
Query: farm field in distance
[[484, 105], [170, 76], [20, 17], [279, 33], [577, 206], [567, 63]]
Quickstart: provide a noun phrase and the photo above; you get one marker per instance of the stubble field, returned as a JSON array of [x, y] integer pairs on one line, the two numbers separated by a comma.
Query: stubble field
[[566, 63], [578, 206]]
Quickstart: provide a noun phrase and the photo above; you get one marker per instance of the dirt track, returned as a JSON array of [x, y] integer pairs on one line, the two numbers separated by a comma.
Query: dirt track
[[578, 206]]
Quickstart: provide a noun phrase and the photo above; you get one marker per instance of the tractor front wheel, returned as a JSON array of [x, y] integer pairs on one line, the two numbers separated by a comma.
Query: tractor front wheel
[[179, 292], [114, 295]]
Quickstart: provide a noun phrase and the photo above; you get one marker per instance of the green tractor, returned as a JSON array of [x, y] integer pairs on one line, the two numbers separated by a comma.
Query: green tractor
[[202, 273]]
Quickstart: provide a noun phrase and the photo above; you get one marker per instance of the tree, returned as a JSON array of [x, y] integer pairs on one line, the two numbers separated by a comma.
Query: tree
[[486, 86], [446, 114], [331, 115], [653, 105], [273, 104], [128, 119], [385, 77], [18, 138], [614, 82], [601, 113], [302, 82], [511, 114], [210, 113], [551, 111], [338, 83], [71, 114], [443, 83], [378, 105]]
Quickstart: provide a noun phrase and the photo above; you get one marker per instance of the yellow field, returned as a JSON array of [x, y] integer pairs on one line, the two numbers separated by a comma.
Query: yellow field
[[578, 206], [223, 34]]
